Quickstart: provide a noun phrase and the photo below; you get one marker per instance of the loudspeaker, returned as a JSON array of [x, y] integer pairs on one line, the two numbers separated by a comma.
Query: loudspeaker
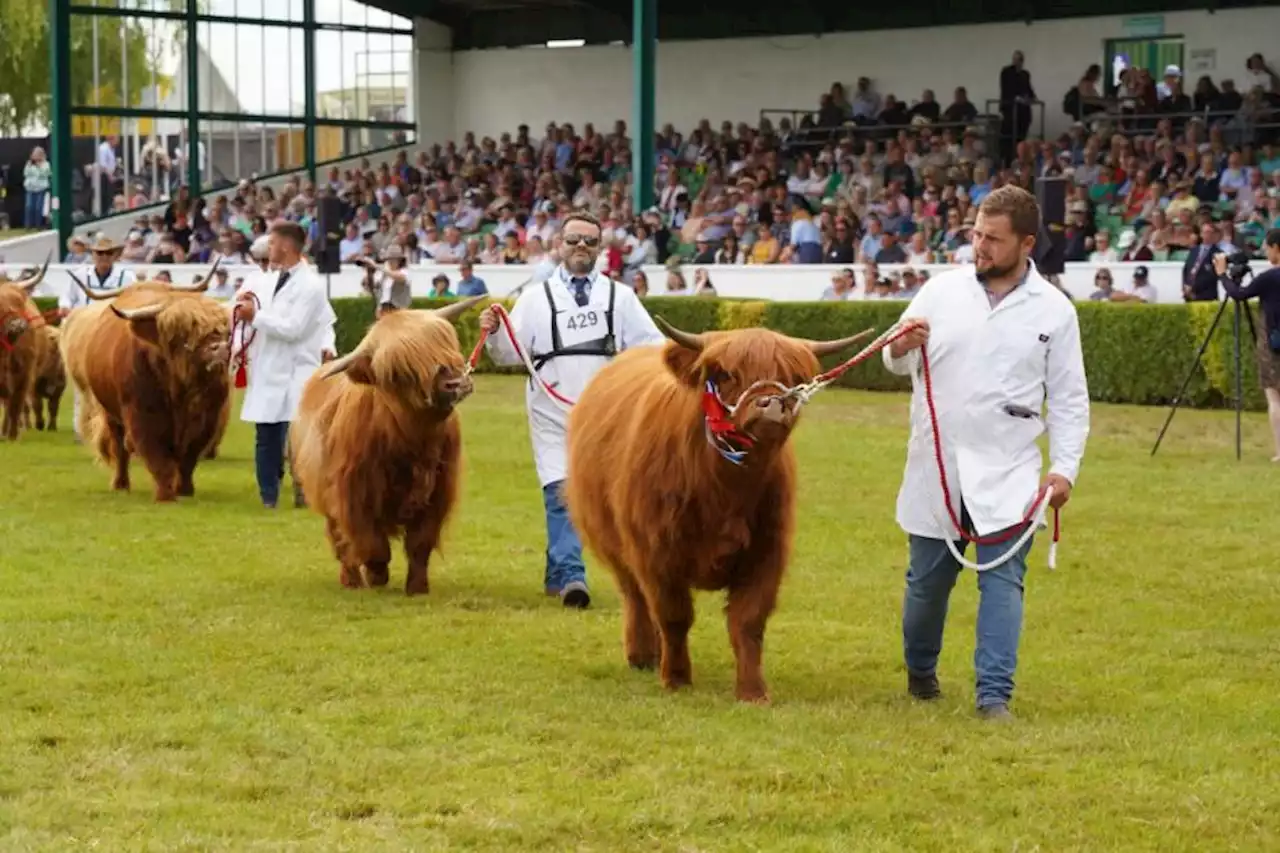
[[1050, 251], [324, 249]]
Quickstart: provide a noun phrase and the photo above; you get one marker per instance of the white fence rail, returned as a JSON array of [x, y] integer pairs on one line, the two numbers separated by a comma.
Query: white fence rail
[[775, 283]]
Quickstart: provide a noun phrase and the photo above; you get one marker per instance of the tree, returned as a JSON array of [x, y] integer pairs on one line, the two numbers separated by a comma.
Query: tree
[[24, 61]]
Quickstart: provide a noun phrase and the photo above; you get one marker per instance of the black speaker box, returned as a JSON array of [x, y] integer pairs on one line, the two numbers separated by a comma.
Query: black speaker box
[[1050, 251], [324, 249]]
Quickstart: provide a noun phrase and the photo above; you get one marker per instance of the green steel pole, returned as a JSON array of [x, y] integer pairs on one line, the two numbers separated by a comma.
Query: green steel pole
[[644, 41], [193, 101], [309, 92], [62, 201]]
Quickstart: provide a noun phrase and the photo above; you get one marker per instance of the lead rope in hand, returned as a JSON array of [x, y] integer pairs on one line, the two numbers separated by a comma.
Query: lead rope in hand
[[556, 397], [240, 363], [1033, 519]]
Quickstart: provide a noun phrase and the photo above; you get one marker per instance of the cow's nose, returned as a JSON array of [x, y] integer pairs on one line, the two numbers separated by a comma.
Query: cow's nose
[[772, 409]]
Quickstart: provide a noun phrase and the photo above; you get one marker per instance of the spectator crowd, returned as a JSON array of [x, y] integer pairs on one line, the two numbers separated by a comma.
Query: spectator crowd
[[864, 181]]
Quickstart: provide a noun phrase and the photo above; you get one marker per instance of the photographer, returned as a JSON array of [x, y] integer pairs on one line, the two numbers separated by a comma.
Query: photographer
[[1266, 287], [389, 283]]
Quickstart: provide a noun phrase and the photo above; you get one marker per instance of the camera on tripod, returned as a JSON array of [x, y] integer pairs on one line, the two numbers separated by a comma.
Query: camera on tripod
[[1238, 266]]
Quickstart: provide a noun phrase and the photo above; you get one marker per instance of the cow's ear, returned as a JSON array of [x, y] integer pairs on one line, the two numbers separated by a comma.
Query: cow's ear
[[145, 328], [685, 363]]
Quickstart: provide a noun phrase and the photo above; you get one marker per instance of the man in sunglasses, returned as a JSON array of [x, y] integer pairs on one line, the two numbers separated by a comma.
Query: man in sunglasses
[[570, 327]]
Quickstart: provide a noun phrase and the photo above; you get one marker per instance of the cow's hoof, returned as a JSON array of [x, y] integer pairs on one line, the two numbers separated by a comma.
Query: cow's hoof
[[351, 578], [642, 661], [754, 697], [417, 588]]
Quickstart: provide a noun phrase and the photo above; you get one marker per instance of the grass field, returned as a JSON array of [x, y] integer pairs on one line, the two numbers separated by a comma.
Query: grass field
[[192, 677]]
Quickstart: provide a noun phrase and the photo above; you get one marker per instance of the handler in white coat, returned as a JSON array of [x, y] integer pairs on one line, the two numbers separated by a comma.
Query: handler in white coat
[[570, 325], [1000, 340], [292, 329]]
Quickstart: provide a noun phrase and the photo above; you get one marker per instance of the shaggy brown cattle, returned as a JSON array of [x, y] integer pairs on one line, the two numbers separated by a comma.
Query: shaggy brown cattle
[[376, 443], [152, 368], [50, 379], [200, 286], [19, 347], [660, 505]]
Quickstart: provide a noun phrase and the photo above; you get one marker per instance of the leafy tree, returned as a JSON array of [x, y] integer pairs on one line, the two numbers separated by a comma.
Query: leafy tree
[[24, 61]]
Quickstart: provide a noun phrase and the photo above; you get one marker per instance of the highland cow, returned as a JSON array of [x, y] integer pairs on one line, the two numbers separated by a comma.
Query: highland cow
[[660, 503], [376, 443]]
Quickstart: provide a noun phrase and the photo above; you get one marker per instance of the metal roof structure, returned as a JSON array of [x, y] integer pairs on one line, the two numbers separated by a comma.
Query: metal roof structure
[[479, 24]]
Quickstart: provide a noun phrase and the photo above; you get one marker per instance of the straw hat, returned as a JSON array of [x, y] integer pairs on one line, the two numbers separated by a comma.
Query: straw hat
[[393, 253], [105, 244]]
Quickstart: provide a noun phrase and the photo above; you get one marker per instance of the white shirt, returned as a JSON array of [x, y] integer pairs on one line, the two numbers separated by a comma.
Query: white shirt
[[290, 330], [981, 360], [568, 375], [1146, 292], [116, 277]]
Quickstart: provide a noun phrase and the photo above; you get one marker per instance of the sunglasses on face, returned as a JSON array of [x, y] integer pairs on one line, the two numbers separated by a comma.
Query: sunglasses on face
[[575, 239]]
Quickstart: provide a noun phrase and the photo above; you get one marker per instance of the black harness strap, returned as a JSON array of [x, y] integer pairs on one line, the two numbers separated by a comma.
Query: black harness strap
[[605, 347]]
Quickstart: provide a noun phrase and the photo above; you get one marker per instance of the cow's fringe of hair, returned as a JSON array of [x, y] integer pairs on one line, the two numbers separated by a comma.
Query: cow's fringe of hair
[[406, 347]]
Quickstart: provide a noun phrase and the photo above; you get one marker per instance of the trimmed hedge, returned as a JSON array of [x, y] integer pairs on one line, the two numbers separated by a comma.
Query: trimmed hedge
[[1133, 353]]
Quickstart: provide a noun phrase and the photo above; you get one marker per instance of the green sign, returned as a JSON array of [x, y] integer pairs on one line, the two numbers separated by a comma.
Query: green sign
[[1143, 26]]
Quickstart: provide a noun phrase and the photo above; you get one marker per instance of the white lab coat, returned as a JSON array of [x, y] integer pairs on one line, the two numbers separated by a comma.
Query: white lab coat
[[569, 375], [73, 296], [290, 330], [982, 359]]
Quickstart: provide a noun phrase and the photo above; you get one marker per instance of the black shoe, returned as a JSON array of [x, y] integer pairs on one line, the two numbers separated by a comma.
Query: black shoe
[[999, 711], [924, 687], [575, 594]]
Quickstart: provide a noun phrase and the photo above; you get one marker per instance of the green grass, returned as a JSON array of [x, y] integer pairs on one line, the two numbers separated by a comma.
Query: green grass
[[192, 677]]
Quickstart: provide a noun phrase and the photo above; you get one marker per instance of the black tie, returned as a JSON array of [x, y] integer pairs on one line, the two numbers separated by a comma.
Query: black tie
[[580, 290], [284, 277]]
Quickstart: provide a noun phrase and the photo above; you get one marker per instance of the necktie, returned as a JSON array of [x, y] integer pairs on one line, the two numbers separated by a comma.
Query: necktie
[[580, 290], [284, 276]]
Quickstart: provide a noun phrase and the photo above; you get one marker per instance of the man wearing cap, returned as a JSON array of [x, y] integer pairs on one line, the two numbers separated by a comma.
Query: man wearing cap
[[1143, 290]]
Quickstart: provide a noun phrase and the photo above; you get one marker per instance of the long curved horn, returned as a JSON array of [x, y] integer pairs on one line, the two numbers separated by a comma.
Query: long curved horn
[[338, 365], [29, 284], [684, 339], [821, 348], [94, 294], [146, 312], [200, 286], [453, 311]]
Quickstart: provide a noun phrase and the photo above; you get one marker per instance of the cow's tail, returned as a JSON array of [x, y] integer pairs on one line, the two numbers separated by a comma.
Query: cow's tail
[[93, 426]]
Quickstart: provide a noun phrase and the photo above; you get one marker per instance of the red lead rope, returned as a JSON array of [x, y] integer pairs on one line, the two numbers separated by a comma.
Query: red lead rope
[[511, 336], [242, 374], [998, 538]]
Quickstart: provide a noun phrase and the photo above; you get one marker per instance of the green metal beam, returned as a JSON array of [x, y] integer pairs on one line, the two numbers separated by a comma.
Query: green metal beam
[[644, 44], [193, 101], [309, 90], [255, 118], [62, 201], [145, 14]]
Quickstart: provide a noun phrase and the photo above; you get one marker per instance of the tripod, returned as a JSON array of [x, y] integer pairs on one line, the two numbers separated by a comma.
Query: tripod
[[1240, 309]]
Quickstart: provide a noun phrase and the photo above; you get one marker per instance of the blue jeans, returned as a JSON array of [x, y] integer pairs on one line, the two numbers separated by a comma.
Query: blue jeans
[[33, 212], [931, 575], [268, 459], [564, 549]]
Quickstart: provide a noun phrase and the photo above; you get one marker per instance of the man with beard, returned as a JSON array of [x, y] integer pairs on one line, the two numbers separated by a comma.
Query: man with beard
[[1001, 342], [570, 328]]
